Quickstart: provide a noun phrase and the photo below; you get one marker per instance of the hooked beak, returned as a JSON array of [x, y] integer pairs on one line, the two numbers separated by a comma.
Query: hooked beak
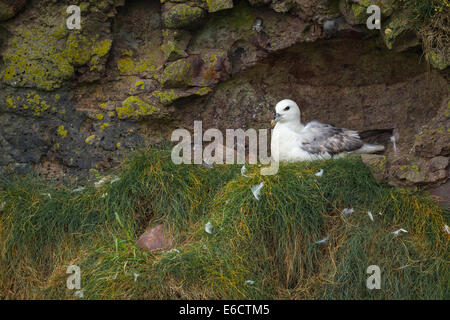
[[276, 119]]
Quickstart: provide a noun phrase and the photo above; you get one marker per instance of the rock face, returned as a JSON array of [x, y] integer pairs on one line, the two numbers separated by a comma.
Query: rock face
[[73, 100], [9, 8]]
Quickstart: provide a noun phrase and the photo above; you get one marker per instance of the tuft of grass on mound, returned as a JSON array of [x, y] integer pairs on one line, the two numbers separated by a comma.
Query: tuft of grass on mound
[[258, 249], [45, 227], [273, 241]]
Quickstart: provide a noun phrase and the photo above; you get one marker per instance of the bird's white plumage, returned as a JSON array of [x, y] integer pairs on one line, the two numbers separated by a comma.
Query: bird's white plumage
[[293, 141]]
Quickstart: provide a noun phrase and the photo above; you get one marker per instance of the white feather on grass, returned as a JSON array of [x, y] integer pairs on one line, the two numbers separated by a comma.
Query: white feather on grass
[[324, 240], [369, 213], [348, 211], [208, 165], [243, 171], [115, 179], [397, 232], [319, 174], [208, 227], [102, 181], [256, 190]]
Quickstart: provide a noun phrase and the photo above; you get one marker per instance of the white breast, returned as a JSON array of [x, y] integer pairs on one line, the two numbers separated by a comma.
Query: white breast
[[285, 145]]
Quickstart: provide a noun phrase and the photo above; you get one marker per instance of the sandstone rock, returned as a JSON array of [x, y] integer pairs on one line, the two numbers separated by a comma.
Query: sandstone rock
[[282, 6], [155, 238], [182, 16], [175, 43], [177, 74], [127, 79], [442, 193], [212, 67], [196, 70], [419, 171], [355, 11], [439, 60], [9, 8], [133, 107], [4, 35], [259, 2], [433, 138], [377, 165], [435, 169], [438, 163], [29, 63], [169, 96], [217, 5], [399, 33]]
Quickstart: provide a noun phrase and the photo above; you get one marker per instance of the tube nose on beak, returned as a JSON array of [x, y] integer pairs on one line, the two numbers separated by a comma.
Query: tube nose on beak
[[277, 117]]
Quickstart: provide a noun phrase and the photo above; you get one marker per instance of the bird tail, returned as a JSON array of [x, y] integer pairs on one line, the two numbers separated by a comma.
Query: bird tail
[[369, 148]]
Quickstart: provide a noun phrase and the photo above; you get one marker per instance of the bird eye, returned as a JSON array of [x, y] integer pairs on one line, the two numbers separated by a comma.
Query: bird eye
[[286, 109]]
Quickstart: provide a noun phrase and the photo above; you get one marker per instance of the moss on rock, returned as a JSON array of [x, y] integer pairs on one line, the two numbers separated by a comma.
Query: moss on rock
[[90, 139], [217, 5], [133, 107], [43, 53], [174, 44], [62, 131], [30, 103], [438, 60], [399, 33], [37, 59], [203, 91], [355, 12], [182, 16], [177, 74], [166, 97], [129, 66], [125, 65], [29, 62]]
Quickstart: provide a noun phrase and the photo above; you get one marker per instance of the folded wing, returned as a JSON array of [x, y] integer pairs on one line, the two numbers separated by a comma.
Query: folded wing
[[319, 138]]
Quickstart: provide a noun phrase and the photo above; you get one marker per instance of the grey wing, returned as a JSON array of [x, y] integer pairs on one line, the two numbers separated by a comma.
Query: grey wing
[[319, 138]]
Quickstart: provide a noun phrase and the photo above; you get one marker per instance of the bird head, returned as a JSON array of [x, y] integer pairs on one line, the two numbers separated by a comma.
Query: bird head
[[286, 111]]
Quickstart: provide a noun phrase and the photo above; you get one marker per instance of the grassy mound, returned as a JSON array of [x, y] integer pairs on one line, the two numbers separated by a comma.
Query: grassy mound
[[267, 248]]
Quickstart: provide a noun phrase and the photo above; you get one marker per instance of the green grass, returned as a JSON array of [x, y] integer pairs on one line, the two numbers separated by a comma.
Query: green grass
[[422, 10], [271, 241]]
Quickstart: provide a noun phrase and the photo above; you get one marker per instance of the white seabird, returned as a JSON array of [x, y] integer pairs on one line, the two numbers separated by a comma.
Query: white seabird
[[292, 141]]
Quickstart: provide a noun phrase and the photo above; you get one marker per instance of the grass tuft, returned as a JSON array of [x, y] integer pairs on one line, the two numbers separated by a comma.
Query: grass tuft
[[272, 241]]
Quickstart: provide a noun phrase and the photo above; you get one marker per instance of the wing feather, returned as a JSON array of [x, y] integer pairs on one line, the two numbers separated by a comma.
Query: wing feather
[[320, 138]]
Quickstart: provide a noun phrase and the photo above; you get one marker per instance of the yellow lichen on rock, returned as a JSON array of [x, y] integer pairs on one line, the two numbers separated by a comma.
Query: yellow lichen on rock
[[134, 107], [31, 102], [62, 131], [104, 126], [44, 57], [166, 96], [90, 139]]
